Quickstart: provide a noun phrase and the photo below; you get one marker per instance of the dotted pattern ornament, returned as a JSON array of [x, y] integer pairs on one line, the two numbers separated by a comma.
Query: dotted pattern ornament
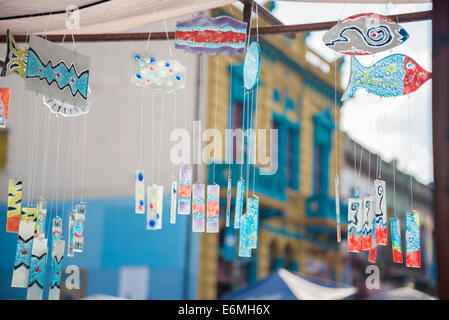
[[153, 72]]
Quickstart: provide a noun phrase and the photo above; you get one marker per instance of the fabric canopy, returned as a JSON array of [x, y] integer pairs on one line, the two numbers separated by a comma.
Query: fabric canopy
[[285, 285], [95, 16], [404, 293]]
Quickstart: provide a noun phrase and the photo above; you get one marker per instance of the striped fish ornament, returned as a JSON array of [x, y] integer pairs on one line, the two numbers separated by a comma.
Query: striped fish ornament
[[212, 36]]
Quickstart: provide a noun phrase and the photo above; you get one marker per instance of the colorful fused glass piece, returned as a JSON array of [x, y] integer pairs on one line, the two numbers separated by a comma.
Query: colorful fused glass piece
[[337, 208], [252, 220], [57, 72], [396, 247], [372, 255], [364, 34], [228, 202], [239, 203], [38, 267], [155, 195], [367, 223], [412, 240], [41, 216], [71, 241], [213, 208], [198, 207], [14, 205], [251, 66], [57, 256], [219, 35], [244, 247], [174, 201], [79, 227], [380, 213], [16, 58], [139, 192], [153, 72], [354, 225], [395, 75], [23, 254], [56, 230], [29, 214], [4, 106], [185, 190], [66, 109]]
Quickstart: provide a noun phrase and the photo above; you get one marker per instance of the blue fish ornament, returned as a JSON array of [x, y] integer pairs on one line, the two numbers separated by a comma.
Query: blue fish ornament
[[395, 75]]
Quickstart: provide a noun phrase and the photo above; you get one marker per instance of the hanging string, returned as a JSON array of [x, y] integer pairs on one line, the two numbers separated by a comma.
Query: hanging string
[[249, 141], [147, 47], [243, 133], [255, 132], [45, 153], [160, 137], [193, 8], [19, 137], [141, 129], [32, 136], [200, 89], [67, 162], [185, 93], [55, 192], [84, 158], [215, 115], [73, 161], [230, 114], [168, 39], [174, 128], [152, 135], [36, 121], [409, 123], [394, 162], [336, 117]]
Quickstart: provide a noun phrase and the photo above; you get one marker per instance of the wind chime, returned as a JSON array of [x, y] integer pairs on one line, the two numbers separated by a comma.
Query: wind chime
[[394, 75], [167, 76], [61, 76], [211, 36]]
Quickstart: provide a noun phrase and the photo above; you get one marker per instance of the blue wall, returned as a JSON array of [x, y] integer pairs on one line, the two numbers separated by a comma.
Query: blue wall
[[116, 236]]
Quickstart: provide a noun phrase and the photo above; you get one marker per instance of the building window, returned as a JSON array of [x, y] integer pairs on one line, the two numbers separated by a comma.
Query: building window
[[318, 168], [237, 123], [276, 95], [288, 138], [289, 105]]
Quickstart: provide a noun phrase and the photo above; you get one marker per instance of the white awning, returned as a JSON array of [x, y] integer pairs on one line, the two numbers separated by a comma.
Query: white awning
[[94, 16]]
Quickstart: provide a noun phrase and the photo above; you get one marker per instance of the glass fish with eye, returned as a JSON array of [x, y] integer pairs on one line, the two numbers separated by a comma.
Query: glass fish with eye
[[365, 34], [392, 76]]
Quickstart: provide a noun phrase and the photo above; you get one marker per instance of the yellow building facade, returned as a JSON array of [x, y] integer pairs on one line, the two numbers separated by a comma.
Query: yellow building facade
[[296, 95]]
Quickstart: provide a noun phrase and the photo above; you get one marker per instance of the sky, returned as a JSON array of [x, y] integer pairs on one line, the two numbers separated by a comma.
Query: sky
[[381, 124]]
